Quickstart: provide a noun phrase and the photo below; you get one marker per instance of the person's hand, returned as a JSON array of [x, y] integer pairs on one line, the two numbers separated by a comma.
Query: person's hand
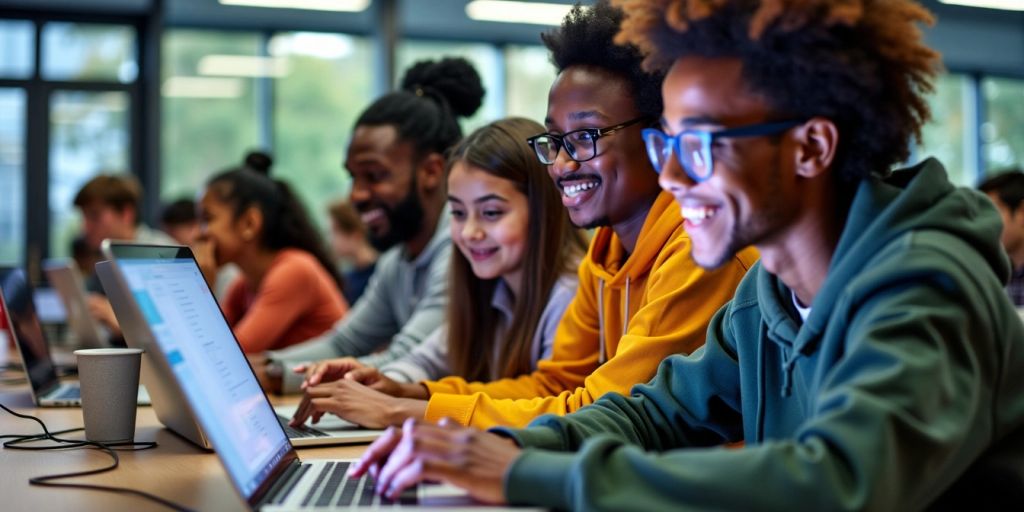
[[269, 383], [465, 457], [205, 252], [102, 311], [357, 403], [327, 370], [374, 379]]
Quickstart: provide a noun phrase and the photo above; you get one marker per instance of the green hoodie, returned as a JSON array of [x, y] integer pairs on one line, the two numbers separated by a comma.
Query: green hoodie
[[903, 388]]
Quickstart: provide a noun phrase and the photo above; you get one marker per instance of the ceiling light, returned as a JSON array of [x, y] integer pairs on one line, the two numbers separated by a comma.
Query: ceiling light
[[201, 87], [312, 5], [1009, 5], [517, 12], [243, 65]]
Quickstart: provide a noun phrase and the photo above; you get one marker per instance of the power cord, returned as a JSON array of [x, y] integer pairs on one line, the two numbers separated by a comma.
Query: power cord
[[15, 442]]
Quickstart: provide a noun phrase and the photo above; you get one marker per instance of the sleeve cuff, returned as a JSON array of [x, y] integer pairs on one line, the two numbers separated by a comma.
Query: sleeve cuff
[[540, 478], [534, 437], [457, 407]]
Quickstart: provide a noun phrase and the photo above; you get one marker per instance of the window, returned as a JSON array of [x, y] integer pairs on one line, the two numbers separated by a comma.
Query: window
[[89, 135], [947, 136], [17, 49], [529, 75], [327, 84], [12, 175], [1003, 132], [79, 51], [485, 58], [210, 120]]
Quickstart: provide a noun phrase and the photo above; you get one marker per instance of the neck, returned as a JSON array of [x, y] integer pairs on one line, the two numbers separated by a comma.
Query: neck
[[514, 281], [255, 264], [802, 253], [431, 216], [629, 229]]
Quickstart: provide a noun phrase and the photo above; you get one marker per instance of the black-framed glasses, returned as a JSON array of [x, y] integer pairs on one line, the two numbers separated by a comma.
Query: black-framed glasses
[[693, 147], [580, 145]]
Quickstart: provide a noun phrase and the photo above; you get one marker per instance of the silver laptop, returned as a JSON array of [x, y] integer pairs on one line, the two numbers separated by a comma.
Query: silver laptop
[[191, 340], [33, 346], [158, 292], [64, 276]]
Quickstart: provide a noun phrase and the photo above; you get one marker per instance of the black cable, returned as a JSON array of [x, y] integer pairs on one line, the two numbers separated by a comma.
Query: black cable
[[15, 442]]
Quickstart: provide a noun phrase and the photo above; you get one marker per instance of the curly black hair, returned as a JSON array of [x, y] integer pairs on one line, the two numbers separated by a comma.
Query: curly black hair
[[859, 63], [425, 110], [586, 38]]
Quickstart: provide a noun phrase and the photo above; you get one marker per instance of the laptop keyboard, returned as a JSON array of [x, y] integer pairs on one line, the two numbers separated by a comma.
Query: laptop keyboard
[[69, 393], [300, 431], [334, 488]]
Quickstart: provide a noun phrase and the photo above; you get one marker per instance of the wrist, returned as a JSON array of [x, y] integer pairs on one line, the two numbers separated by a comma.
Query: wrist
[[415, 391], [404, 408]]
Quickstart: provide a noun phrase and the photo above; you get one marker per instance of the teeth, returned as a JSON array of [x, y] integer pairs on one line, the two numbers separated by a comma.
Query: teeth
[[575, 190], [698, 214], [371, 215]]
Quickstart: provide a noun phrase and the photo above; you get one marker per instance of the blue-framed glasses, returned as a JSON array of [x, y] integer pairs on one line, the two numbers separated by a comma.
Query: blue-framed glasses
[[693, 147]]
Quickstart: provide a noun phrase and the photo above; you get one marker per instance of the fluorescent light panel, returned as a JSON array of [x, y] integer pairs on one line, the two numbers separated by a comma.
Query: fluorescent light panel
[[243, 65], [506, 11], [310, 5], [201, 87], [1007, 5]]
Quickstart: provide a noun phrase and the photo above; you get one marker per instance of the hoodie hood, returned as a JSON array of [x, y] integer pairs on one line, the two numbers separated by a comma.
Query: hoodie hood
[[883, 210], [607, 256]]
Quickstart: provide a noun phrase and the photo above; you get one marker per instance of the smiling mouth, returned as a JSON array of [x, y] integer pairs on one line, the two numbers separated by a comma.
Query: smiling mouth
[[482, 254], [697, 215], [577, 185], [371, 216]]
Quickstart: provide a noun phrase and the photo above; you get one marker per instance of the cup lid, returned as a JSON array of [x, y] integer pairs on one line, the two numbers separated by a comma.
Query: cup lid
[[108, 351]]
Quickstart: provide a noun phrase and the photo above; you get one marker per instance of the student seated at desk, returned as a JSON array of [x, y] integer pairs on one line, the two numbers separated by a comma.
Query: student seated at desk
[[288, 288], [511, 280], [350, 244], [641, 297], [871, 361], [397, 159]]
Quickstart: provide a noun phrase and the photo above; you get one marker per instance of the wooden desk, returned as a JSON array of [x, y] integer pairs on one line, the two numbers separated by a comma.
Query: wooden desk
[[174, 470]]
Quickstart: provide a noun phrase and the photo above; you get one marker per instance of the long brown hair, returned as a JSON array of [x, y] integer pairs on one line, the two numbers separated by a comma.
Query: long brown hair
[[554, 247]]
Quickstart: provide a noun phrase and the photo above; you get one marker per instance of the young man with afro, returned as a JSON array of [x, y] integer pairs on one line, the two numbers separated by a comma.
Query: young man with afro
[[871, 361]]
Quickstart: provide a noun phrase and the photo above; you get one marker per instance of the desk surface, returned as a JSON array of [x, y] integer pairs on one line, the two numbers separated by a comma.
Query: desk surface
[[175, 470]]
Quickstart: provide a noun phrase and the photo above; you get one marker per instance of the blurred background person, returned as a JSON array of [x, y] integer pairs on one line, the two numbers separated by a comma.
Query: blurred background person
[[1006, 190], [349, 242], [180, 220], [288, 289]]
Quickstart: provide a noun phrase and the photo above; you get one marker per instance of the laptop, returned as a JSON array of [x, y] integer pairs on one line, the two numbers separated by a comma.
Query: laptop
[[64, 276], [190, 338], [158, 293], [33, 346]]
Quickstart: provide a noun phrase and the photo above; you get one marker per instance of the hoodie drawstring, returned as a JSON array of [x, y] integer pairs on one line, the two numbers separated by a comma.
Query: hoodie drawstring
[[600, 321], [625, 314]]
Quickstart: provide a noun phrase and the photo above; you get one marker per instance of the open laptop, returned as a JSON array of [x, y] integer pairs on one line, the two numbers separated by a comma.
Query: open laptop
[[191, 340], [64, 276], [158, 293], [47, 389]]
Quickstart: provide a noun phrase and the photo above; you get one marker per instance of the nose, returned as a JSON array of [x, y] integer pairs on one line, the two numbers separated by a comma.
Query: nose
[[360, 192], [563, 164], [673, 178], [471, 229]]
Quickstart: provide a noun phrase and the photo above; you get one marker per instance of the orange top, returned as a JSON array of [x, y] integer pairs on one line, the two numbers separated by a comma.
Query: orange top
[[296, 300]]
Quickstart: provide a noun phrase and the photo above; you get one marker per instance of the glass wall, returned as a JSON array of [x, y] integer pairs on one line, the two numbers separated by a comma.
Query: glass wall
[[17, 49], [529, 74], [946, 136], [327, 85], [1003, 132], [12, 175], [208, 121], [89, 135], [94, 52]]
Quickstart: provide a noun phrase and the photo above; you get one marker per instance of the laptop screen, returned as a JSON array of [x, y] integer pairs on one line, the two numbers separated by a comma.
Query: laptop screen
[[35, 352], [209, 365]]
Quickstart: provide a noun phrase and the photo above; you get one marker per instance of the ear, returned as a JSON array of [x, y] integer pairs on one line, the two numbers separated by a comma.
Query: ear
[[817, 141], [250, 223], [430, 172]]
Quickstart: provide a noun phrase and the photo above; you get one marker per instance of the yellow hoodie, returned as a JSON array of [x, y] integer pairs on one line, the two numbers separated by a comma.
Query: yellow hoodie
[[626, 317]]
